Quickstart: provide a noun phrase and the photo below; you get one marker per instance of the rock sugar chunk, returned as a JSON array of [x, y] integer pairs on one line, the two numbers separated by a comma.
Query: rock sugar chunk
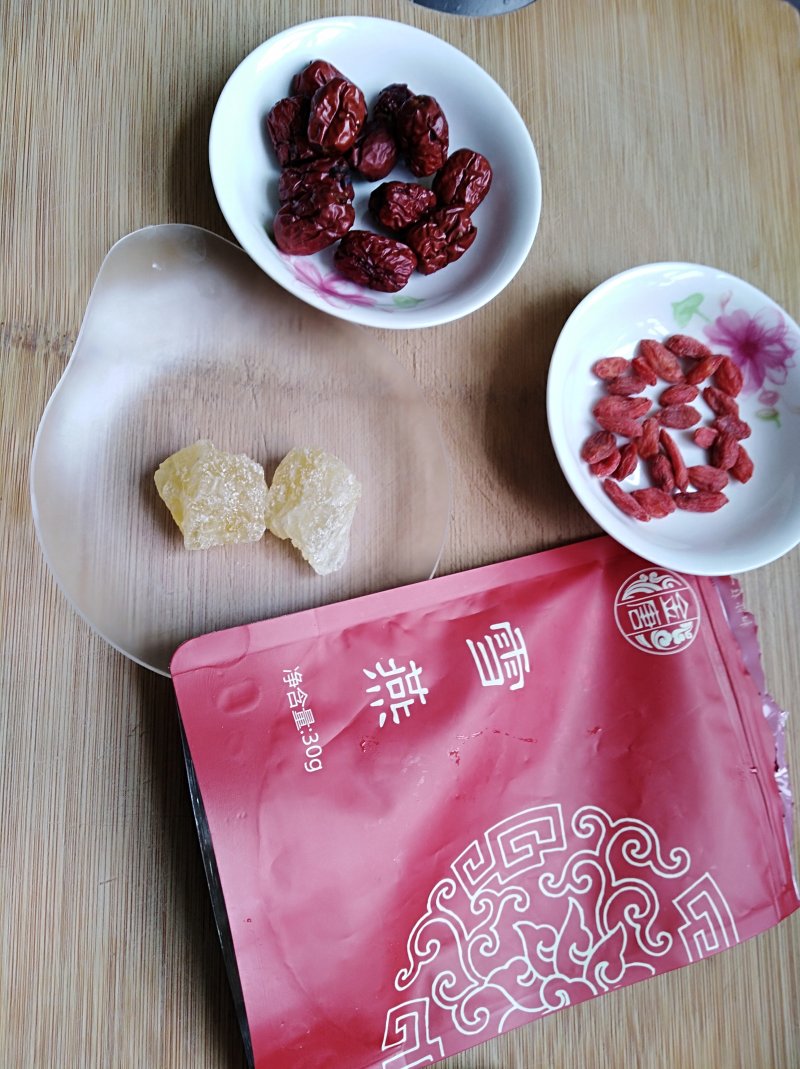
[[215, 498], [312, 501]]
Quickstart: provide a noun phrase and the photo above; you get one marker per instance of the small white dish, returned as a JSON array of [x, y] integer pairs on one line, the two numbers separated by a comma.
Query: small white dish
[[374, 53], [761, 521], [185, 338]]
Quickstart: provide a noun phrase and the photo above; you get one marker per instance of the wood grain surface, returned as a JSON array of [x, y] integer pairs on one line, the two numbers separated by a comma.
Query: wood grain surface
[[666, 131]]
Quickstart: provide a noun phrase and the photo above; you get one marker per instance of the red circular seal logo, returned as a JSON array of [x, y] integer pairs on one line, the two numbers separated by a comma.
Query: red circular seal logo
[[657, 611]]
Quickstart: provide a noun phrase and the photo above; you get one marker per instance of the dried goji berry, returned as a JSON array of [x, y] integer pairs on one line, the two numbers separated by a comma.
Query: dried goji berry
[[703, 369], [607, 466], [598, 446], [729, 377], [743, 467], [628, 461], [737, 427], [640, 367], [624, 501], [700, 501], [625, 385], [661, 473], [720, 403], [609, 367], [679, 417], [704, 436], [621, 415], [635, 407], [675, 458], [679, 394], [706, 477], [685, 345], [656, 503], [661, 360], [648, 443], [724, 451]]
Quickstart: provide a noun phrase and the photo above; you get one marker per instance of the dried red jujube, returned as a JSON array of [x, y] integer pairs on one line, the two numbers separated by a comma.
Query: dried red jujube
[[374, 154], [423, 135], [327, 177], [390, 99], [396, 205], [308, 224], [287, 126], [318, 72], [337, 113], [441, 238], [371, 260], [465, 178]]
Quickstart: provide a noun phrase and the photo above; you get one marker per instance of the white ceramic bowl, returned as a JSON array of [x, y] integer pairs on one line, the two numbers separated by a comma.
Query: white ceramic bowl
[[761, 521], [374, 53]]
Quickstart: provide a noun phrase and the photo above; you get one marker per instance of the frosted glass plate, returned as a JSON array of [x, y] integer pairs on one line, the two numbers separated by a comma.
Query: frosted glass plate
[[185, 338]]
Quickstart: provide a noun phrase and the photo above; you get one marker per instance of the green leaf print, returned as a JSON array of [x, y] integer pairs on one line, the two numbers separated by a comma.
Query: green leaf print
[[688, 307], [769, 414], [407, 302]]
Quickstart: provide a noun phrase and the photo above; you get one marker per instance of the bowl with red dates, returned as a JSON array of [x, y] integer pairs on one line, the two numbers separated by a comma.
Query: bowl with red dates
[[375, 172], [673, 404]]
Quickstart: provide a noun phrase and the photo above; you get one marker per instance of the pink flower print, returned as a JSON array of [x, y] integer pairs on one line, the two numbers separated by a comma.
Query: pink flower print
[[762, 345], [331, 288]]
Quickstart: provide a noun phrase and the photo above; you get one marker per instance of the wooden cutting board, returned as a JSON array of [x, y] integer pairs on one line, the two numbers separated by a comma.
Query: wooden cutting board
[[665, 132]]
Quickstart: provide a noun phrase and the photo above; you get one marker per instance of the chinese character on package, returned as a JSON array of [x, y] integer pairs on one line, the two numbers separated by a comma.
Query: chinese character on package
[[440, 812]]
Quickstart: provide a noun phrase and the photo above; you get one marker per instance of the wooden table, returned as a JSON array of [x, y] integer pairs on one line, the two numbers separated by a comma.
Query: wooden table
[[665, 131]]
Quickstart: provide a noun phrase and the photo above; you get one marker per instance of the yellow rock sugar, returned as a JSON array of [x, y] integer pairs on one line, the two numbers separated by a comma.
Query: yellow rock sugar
[[312, 501], [215, 497]]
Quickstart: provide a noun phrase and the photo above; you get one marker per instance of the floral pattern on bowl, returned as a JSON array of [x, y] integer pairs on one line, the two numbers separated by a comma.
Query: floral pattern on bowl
[[763, 344], [333, 289]]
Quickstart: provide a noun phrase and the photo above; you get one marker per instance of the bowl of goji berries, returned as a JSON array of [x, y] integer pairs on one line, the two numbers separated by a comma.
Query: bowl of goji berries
[[375, 172], [673, 403]]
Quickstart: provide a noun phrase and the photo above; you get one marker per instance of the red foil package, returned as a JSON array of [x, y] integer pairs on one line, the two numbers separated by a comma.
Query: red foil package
[[440, 812]]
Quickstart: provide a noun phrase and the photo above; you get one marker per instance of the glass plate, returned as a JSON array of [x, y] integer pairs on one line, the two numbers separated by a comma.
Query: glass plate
[[185, 338]]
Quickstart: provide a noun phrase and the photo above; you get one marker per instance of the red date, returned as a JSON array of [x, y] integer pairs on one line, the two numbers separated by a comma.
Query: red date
[[327, 177], [308, 224], [337, 113], [396, 205], [441, 238], [390, 100], [371, 260], [287, 124], [374, 154], [319, 72], [423, 135], [464, 179]]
